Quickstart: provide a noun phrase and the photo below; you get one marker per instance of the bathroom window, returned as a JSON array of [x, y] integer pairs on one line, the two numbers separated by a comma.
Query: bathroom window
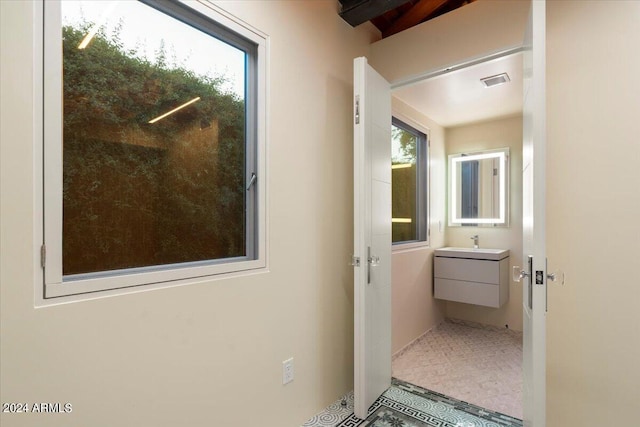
[[409, 183], [153, 145]]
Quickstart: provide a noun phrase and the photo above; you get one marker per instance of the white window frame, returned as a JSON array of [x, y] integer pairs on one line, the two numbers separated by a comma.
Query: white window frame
[[53, 288], [416, 244]]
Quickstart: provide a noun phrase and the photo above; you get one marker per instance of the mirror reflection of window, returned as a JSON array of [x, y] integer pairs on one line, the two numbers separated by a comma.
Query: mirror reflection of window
[[469, 190]]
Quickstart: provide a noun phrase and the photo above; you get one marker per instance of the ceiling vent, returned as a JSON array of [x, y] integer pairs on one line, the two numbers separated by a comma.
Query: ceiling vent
[[495, 80]]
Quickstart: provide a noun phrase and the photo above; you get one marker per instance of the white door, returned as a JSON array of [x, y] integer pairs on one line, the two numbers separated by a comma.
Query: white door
[[372, 236], [534, 293]]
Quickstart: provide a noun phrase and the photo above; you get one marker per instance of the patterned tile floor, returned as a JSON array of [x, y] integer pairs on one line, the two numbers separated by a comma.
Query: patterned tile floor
[[333, 414], [470, 362], [473, 363], [407, 405]]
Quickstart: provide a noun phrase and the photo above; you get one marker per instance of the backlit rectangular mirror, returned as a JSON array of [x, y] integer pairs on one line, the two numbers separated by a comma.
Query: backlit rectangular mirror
[[478, 188]]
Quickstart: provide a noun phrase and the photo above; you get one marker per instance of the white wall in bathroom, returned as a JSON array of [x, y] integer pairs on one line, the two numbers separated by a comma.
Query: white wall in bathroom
[[500, 133], [414, 309]]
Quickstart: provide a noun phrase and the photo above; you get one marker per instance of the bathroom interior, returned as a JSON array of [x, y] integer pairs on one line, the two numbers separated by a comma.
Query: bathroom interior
[[457, 313]]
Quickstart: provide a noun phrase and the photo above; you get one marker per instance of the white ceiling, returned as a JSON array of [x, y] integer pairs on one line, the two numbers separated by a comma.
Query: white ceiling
[[459, 97]]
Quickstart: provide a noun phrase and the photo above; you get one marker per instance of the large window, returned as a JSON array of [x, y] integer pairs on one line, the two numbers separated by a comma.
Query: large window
[[409, 183], [153, 145]]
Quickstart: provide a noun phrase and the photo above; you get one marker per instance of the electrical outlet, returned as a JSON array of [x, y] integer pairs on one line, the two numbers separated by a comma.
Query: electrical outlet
[[287, 371]]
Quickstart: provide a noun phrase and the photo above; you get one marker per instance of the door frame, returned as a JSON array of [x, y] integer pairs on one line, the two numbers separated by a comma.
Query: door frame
[[408, 81], [534, 298]]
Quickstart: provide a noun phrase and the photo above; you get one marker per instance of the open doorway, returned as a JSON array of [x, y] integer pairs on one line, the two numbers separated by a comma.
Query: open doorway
[[472, 352]]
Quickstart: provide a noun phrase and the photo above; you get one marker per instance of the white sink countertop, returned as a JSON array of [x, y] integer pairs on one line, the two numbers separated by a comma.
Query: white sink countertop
[[471, 253]]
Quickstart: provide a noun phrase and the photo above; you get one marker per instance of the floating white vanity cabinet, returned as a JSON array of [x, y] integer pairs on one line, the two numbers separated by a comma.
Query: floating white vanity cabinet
[[472, 276]]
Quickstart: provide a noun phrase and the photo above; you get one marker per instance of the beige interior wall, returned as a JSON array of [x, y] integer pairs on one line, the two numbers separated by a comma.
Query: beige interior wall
[[181, 355], [500, 133], [414, 310], [475, 30], [208, 354], [593, 211]]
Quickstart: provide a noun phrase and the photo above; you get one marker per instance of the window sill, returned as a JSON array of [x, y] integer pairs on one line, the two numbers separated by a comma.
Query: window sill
[[66, 298], [409, 246]]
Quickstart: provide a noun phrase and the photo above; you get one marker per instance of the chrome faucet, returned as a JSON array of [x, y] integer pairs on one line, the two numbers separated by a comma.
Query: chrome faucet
[[475, 239]]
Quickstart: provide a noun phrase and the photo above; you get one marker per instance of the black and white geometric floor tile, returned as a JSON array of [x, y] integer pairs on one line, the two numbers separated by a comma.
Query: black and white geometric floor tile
[[404, 404], [334, 413], [402, 390]]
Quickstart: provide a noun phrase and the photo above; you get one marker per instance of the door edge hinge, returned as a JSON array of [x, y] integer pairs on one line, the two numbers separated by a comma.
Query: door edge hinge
[[355, 261], [357, 109], [43, 256]]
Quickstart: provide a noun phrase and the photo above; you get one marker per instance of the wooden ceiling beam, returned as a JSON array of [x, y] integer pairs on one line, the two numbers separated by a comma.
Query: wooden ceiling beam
[[419, 12], [385, 20], [355, 12]]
